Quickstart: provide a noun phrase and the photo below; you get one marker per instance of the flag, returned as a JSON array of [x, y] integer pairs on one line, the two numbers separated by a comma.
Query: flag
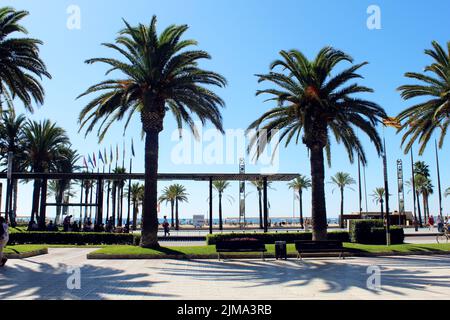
[[105, 156], [100, 157], [111, 156], [392, 122], [132, 148], [95, 161], [90, 160], [117, 152], [85, 163], [123, 150]]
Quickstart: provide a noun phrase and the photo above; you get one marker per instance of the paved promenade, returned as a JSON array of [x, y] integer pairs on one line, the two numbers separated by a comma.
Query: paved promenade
[[46, 277]]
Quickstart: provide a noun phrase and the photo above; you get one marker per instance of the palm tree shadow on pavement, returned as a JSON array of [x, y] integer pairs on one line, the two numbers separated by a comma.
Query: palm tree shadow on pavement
[[397, 273], [49, 282]]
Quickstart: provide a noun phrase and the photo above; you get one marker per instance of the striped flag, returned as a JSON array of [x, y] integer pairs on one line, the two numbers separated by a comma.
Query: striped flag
[[85, 163], [132, 148], [90, 160], [105, 156], [100, 157], [111, 156], [95, 161]]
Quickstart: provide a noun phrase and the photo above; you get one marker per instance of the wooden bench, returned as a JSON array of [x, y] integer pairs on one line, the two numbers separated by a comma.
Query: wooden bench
[[319, 247], [240, 245]]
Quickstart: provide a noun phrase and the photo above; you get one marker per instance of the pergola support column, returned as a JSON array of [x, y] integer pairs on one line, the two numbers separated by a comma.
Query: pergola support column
[[265, 208], [210, 205]]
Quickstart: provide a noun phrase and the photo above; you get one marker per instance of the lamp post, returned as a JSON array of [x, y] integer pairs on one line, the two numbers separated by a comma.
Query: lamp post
[[8, 201], [386, 193]]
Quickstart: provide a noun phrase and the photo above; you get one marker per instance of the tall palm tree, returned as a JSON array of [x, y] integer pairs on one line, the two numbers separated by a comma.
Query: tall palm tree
[[378, 197], [21, 68], [432, 112], [11, 140], [117, 186], [160, 74], [66, 164], [259, 185], [299, 184], [316, 104], [136, 193], [342, 180], [425, 187], [168, 196], [180, 195], [220, 186], [54, 188], [44, 143], [420, 182]]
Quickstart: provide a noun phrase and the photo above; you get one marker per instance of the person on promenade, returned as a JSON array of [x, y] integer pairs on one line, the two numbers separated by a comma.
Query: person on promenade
[[439, 223], [4, 237], [51, 226], [66, 223], [166, 227], [430, 222]]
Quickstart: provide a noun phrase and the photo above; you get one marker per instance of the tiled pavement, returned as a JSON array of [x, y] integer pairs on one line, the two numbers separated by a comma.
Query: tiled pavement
[[45, 277]]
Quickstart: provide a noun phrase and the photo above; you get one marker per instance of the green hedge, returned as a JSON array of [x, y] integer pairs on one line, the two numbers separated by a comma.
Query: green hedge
[[372, 231], [397, 235], [78, 238], [270, 238]]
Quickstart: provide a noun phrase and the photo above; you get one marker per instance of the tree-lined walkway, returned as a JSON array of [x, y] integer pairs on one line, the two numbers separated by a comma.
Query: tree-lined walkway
[[45, 277]]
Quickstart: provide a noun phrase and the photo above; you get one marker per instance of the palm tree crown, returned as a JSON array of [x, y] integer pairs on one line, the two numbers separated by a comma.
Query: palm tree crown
[[20, 63], [422, 119], [159, 74], [301, 183], [342, 180], [314, 104]]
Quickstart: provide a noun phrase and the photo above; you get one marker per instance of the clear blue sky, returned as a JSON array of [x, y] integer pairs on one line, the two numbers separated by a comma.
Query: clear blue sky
[[243, 37]]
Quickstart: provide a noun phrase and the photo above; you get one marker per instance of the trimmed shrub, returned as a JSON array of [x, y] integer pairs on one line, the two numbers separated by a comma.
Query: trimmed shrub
[[379, 235], [361, 230], [367, 231], [77, 238], [270, 238]]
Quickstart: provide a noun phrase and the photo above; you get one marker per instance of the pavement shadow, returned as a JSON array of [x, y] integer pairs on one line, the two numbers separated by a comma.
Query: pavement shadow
[[397, 275], [50, 282]]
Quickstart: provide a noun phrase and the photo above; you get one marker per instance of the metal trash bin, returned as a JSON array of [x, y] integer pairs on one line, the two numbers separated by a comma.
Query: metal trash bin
[[280, 250]]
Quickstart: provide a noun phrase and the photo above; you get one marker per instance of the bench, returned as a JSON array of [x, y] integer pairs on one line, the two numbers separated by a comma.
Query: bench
[[240, 245], [328, 246]]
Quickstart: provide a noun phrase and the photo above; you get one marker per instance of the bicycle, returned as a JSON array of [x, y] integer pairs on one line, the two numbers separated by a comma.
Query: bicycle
[[443, 236]]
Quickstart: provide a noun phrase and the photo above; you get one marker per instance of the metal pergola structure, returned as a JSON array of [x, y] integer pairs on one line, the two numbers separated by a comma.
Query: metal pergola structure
[[101, 177]]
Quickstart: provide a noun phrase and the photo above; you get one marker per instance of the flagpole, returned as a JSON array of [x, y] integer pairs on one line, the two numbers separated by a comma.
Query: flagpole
[[359, 186], [129, 194], [414, 190]]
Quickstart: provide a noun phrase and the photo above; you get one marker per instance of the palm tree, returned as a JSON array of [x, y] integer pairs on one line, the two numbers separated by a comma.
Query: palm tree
[[420, 182], [318, 104], [299, 184], [67, 164], [159, 75], [44, 143], [54, 188], [116, 199], [432, 112], [378, 197], [136, 193], [20, 64], [168, 196], [342, 180], [221, 186], [425, 187], [259, 185], [180, 195], [11, 140]]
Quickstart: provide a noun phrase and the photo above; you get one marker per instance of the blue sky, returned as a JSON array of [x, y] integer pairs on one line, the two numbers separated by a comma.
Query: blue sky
[[243, 37]]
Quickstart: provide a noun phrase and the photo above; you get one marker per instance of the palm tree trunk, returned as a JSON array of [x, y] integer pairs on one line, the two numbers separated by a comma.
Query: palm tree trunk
[[319, 212], [172, 221], [419, 211], [260, 209], [35, 204], [113, 203], [220, 212], [341, 222], [15, 190], [149, 237], [381, 210], [177, 221], [300, 200], [135, 213], [425, 216]]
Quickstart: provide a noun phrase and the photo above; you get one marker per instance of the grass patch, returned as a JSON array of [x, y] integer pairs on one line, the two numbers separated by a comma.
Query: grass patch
[[23, 248], [122, 250]]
